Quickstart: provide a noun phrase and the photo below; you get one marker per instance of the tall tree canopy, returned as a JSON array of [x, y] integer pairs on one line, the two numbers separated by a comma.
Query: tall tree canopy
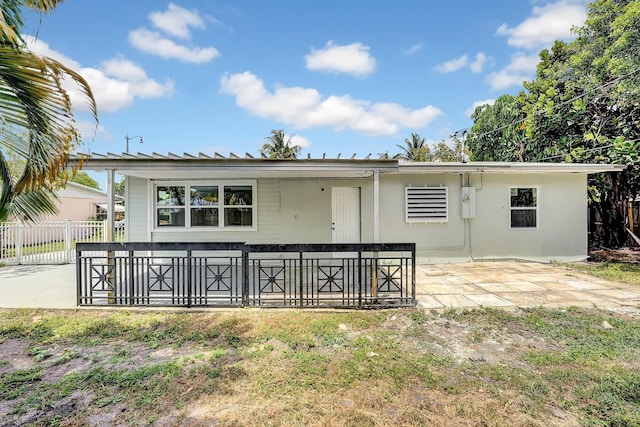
[[36, 118], [583, 106], [84, 179], [279, 147]]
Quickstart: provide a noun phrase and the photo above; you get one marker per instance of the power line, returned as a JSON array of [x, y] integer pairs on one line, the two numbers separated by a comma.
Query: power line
[[589, 150], [584, 151], [540, 110]]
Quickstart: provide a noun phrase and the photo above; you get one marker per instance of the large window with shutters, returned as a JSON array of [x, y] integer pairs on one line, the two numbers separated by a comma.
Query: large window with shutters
[[221, 205], [426, 204]]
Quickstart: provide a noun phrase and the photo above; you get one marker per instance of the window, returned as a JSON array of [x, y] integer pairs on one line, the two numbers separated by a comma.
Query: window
[[524, 207], [205, 205], [170, 205], [426, 204]]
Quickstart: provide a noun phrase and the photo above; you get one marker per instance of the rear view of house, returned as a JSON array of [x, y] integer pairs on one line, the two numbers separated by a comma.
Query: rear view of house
[[453, 212]]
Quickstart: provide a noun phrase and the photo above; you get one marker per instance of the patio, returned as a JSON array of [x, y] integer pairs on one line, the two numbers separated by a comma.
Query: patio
[[503, 284], [511, 284]]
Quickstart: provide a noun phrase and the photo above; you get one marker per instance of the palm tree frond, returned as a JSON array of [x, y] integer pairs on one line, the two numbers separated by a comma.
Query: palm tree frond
[[36, 116], [277, 148]]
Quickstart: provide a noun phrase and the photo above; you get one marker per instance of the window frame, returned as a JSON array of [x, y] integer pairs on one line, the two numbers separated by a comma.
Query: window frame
[[535, 208], [221, 205], [407, 210]]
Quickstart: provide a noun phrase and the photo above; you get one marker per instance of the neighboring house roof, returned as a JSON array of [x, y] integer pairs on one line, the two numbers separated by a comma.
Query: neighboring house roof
[[73, 189], [235, 166]]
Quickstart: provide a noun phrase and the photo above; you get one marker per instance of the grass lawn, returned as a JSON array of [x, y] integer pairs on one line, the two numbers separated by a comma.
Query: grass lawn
[[290, 367], [616, 271]]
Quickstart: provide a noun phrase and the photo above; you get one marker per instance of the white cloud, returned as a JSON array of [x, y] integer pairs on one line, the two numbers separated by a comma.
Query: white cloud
[[413, 49], [453, 65], [152, 42], [477, 65], [462, 62], [521, 68], [300, 141], [134, 75], [115, 84], [353, 59], [477, 104], [545, 25], [43, 49], [307, 108], [177, 20], [89, 131]]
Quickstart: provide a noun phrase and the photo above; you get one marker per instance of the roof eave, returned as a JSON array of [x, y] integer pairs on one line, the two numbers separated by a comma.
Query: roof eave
[[505, 167]]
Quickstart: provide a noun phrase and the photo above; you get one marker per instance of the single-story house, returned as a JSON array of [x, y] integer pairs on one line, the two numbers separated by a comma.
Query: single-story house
[[79, 202], [454, 212]]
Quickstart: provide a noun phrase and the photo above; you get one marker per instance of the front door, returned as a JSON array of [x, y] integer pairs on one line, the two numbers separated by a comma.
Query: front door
[[345, 215]]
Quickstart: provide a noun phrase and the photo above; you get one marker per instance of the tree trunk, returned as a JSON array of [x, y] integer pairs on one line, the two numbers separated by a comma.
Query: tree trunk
[[612, 211]]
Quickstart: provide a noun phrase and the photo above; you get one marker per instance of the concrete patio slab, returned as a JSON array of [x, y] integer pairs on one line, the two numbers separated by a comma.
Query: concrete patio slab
[[489, 300], [456, 301], [519, 284], [38, 286], [506, 284]]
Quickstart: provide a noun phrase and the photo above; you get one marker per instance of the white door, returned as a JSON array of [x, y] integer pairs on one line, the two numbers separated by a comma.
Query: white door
[[345, 215]]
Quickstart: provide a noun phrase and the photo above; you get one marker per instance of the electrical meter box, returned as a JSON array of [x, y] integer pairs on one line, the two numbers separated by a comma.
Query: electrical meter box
[[468, 202]]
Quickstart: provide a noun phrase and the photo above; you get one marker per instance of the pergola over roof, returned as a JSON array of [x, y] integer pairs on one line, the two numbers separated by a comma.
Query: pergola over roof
[[234, 166], [174, 166]]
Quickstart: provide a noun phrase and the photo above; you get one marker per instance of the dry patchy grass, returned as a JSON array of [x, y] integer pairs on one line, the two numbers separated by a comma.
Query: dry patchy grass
[[292, 367]]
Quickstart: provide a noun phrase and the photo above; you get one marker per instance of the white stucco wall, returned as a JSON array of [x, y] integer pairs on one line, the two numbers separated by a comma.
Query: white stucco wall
[[562, 222], [434, 241], [561, 234], [299, 210]]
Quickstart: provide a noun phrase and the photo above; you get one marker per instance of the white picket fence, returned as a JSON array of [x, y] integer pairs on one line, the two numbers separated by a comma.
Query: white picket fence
[[50, 242]]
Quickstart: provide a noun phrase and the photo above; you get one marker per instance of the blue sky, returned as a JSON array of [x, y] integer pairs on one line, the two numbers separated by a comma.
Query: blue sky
[[339, 76]]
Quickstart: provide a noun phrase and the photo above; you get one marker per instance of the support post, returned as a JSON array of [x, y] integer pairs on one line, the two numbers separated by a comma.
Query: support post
[[630, 214], [376, 206], [19, 241], [68, 241], [111, 225], [376, 233]]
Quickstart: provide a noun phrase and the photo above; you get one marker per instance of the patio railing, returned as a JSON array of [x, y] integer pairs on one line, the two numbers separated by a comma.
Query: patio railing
[[236, 274]]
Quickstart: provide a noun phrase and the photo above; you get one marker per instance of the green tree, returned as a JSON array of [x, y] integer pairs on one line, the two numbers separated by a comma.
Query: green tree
[[277, 147], [120, 187], [36, 117], [84, 179], [583, 106], [415, 149], [497, 134]]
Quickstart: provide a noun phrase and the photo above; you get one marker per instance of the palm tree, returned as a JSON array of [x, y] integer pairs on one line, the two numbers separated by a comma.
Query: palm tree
[[416, 149], [278, 148], [36, 118]]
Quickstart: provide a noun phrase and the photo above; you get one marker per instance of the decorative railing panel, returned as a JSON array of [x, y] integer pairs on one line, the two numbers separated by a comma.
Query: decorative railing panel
[[331, 275], [237, 274]]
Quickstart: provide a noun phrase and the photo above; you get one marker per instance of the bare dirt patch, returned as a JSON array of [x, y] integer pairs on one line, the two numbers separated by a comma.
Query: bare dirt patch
[[624, 255], [391, 367]]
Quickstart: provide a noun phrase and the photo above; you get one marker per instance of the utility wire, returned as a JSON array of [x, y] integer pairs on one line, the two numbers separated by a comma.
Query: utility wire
[[589, 150], [616, 80]]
